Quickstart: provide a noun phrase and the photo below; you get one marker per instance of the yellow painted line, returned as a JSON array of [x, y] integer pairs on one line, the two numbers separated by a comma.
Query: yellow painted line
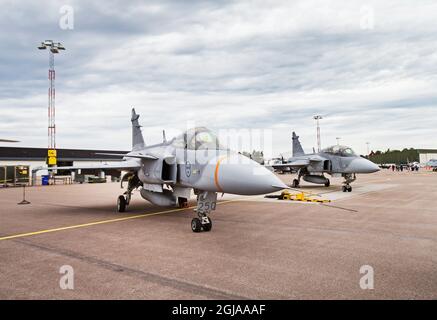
[[28, 234]]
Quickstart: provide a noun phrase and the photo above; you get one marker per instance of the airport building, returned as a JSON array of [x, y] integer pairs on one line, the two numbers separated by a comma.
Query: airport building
[[425, 155], [17, 164]]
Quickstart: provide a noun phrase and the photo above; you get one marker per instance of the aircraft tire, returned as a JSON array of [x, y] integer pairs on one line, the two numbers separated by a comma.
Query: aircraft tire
[[196, 225], [328, 183], [295, 183], [207, 226], [344, 189], [121, 204], [349, 189]]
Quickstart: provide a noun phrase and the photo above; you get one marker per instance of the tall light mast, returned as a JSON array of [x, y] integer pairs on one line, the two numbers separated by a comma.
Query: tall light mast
[[319, 144], [54, 48]]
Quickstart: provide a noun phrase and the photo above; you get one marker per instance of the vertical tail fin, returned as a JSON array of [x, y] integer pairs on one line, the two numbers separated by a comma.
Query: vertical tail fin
[[137, 136], [297, 147]]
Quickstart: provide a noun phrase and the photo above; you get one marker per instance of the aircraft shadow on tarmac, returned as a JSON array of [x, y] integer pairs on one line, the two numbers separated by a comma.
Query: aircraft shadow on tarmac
[[137, 207]]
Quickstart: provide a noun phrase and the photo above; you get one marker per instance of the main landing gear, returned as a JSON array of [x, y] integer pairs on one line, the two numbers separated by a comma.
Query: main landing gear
[[296, 182], [347, 188], [124, 199], [348, 179], [206, 202]]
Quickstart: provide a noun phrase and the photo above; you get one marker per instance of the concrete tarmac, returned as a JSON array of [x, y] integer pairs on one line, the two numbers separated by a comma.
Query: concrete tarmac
[[258, 248]]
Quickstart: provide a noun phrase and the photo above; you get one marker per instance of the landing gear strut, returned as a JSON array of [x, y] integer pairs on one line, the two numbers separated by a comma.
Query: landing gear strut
[[349, 178], [206, 202]]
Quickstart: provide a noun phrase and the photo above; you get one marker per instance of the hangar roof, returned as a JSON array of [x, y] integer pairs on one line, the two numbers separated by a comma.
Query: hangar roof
[[427, 151], [40, 154]]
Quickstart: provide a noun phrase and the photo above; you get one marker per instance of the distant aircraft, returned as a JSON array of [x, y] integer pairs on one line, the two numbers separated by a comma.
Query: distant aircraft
[[195, 160], [433, 164], [414, 166], [336, 160], [7, 140]]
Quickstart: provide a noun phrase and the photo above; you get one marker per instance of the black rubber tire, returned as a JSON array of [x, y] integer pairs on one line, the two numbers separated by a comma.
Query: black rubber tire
[[295, 183], [349, 189], [328, 183], [121, 204], [207, 226], [344, 189], [196, 225]]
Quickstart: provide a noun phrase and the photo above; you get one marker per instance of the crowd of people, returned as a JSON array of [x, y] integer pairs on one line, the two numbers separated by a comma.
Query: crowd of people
[[403, 167]]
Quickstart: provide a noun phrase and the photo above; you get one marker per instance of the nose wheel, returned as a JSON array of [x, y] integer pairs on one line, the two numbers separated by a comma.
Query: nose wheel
[[349, 178], [205, 224]]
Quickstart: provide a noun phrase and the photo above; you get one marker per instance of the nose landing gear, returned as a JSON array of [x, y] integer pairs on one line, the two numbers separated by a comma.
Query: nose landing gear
[[349, 178], [206, 202]]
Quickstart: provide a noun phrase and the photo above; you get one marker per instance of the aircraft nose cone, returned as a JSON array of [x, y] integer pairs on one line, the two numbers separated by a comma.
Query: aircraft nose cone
[[362, 165], [240, 175]]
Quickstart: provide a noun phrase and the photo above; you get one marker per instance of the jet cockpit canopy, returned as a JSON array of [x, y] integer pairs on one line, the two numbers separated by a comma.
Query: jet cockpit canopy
[[341, 151], [199, 138]]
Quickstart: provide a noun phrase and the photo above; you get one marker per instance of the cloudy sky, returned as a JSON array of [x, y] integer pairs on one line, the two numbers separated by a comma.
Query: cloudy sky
[[368, 67]]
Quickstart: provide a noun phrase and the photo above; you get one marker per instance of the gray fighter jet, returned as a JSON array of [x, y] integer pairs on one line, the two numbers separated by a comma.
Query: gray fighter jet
[[432, 164], [335, 161], [166, 173]]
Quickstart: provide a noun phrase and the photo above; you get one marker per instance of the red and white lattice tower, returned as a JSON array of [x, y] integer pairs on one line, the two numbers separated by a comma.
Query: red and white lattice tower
[[319, 143], [53, 49], [51, 106]]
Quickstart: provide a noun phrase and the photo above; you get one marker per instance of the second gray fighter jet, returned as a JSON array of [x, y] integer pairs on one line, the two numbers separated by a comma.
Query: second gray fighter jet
[[335, 161]]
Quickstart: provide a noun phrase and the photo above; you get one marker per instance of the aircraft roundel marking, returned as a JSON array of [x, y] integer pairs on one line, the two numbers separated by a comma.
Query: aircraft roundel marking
[[188, 169]]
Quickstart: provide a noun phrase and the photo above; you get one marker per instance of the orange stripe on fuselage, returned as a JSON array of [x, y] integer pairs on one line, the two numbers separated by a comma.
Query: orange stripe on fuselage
[[216, 172]]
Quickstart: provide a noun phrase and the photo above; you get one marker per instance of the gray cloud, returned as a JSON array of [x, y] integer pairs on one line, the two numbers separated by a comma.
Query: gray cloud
[[224, 64]]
